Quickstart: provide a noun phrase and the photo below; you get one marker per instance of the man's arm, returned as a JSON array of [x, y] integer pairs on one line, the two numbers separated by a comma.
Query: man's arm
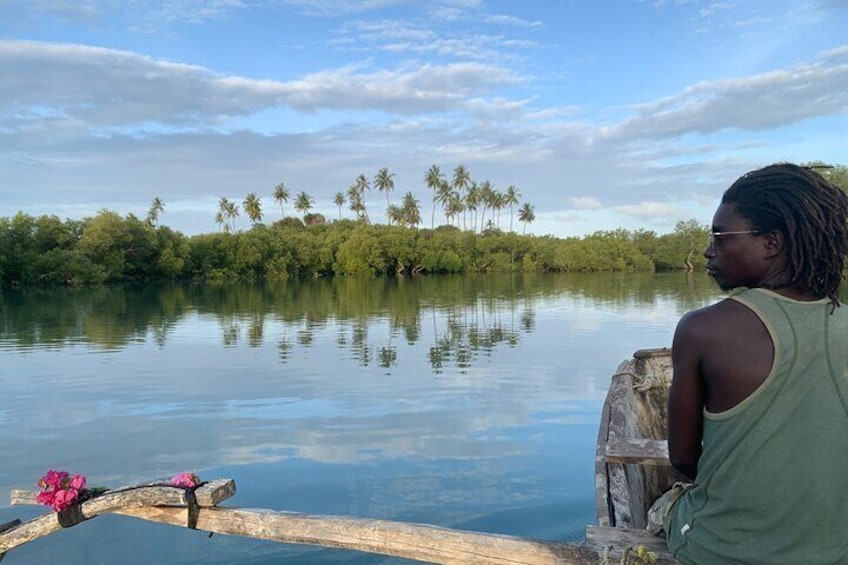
[[687, 396]]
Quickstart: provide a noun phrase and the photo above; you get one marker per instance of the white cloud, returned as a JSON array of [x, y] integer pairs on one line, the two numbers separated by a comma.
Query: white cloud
[[651, 210], [108, 88], [585, 202], [758, 102]]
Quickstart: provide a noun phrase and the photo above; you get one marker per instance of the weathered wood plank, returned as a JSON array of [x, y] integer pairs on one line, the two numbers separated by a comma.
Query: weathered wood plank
[[8, 526], [626, 537], [128, 497], [208, 494], [637, 450], [412, 541], [654, 352], [419, 542]]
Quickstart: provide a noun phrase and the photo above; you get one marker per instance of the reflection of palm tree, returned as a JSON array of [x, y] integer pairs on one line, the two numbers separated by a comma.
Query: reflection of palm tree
[[526, 214], [253, 208], [281, 194], [303, 203], [339, 200]]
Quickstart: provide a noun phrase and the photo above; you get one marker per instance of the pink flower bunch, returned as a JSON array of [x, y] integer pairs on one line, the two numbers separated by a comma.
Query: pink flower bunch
[[185, 480], [59, 490]]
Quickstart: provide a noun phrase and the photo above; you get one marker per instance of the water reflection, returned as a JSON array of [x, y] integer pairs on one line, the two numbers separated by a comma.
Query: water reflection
[[461, 318], [460, 401]]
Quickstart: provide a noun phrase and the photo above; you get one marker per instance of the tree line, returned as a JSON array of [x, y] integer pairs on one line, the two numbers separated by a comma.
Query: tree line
[[463, 201], [108, 247]]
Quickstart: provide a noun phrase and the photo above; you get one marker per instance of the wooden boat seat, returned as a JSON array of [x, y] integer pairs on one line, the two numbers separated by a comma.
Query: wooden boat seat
[[640, 451]]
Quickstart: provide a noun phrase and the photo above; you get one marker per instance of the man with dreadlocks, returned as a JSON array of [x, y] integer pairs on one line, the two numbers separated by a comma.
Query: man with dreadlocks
[[758, 408]]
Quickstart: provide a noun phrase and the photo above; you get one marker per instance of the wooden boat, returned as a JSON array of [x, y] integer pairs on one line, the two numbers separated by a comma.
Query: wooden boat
[[631, 471]]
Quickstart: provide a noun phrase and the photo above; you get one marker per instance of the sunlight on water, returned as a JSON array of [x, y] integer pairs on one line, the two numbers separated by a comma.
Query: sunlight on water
[[468, 402]]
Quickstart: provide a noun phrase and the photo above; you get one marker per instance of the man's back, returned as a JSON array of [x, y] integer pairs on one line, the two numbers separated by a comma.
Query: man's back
[[772, 472]]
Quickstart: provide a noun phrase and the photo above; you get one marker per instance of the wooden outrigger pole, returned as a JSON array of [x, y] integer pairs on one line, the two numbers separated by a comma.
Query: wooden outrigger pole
[[432, 544]]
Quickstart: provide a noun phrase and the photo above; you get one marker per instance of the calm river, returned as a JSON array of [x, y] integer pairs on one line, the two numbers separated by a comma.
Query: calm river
[[467, 402]]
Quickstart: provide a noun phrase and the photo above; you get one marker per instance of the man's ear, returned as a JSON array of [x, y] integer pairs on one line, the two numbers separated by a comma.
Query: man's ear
[[774, 243]]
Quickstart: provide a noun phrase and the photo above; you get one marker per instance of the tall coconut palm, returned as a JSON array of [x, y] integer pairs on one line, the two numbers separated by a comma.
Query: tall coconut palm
[[526, 214], [229, 211], [253, 208], [461, 182], [511, 199], [487, 196], [395, 214], [339, 200], [355, 204], [443, 196], [303, 203], [454, 207], [472, 202], [156, 208], [385, 182], [362, 185], [219, 219], [411, 210], [434, 179], [281, 194]]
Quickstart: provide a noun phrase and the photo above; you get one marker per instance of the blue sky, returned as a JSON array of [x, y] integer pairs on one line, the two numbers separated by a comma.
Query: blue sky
[[604, 114]]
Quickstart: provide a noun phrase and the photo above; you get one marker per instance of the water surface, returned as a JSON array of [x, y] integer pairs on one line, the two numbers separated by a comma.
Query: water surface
[[466, 402]]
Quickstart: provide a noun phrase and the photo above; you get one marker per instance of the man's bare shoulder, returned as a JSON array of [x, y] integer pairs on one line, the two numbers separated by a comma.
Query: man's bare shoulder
[[718, 314]]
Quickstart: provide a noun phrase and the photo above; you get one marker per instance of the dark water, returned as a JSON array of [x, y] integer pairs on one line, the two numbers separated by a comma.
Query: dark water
[[467, 402]]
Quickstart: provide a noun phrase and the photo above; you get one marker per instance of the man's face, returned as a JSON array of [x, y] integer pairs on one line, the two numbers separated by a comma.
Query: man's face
[[735, 259]]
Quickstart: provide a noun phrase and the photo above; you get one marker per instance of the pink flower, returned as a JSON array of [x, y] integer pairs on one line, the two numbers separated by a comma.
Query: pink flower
[[52, 479], [78, 482], [58, 490], [64, 499], [185, 480]]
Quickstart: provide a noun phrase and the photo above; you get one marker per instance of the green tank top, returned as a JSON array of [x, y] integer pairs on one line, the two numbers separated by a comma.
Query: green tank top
[[772, 483]]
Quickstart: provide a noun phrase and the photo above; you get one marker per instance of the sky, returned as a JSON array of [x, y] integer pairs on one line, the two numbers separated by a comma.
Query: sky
[[604, 114]]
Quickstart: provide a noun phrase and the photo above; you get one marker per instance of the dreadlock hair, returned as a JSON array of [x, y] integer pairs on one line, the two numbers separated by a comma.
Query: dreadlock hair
[[810, 212]]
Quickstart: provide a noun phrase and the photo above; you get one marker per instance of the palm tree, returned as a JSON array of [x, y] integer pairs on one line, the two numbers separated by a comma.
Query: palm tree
[[472, 200], [303, 203], [281, 194], [411, 210], [395, 214], [454, 207], [461, 182], [443, 196], [526, 214], [219, 219], [511, 199], [228, 210], [156, 207], [362, 185], [487, 198], [385, 182], [434, 179], [339, 200], [253, 208]]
